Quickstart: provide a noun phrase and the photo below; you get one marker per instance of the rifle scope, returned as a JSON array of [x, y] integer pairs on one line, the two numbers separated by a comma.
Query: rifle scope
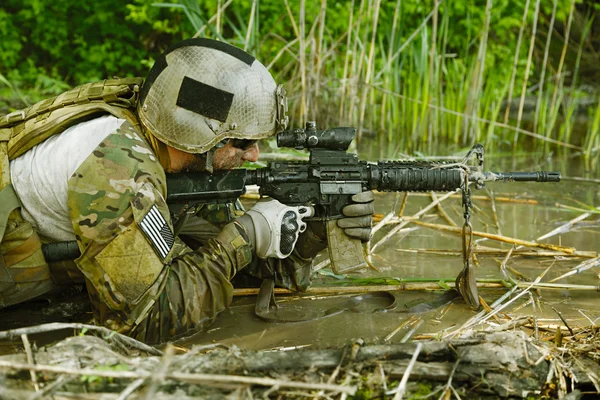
[[311, 138]]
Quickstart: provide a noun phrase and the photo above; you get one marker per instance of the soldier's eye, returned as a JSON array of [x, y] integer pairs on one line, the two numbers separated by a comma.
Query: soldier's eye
[[242, 144]]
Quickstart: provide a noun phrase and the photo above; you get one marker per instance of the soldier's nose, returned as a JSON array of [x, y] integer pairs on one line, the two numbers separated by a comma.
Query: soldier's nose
[[251, 153]]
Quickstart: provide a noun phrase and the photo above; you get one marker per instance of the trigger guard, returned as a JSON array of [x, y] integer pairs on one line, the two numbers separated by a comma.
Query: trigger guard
[[301, 226]]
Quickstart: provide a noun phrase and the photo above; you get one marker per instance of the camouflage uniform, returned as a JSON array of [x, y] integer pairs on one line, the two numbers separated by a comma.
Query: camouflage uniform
[[134, 288]]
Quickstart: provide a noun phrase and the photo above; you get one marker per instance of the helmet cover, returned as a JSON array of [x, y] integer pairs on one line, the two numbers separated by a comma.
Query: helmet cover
[[202, 91]]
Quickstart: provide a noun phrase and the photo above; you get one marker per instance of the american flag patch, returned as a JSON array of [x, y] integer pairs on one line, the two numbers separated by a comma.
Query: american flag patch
[[158, 232]]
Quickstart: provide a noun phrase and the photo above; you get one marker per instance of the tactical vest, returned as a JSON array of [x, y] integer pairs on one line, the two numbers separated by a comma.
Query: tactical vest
[[24, 273]]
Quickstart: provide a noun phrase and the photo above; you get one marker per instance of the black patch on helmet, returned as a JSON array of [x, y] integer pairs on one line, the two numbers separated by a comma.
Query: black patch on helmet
[[161, 62], [204, 99], [159, 66]]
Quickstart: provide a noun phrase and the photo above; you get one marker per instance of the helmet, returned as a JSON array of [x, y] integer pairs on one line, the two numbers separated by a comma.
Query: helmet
[[202, 91]]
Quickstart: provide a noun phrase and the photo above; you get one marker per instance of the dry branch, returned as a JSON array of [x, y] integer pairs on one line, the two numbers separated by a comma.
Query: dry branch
[[501, 252], [445, 228], [204, 379], [55, 326]]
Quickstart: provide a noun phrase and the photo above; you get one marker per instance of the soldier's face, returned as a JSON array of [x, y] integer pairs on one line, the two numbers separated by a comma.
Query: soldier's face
[[229, 156]]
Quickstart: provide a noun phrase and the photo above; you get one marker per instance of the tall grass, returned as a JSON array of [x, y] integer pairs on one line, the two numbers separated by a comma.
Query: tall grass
[[409, 91]]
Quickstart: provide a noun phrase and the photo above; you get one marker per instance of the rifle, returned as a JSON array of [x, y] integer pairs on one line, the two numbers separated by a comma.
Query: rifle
[[331, 176]]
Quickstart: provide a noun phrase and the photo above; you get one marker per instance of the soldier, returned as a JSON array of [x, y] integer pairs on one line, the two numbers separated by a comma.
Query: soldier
[[90, 166]]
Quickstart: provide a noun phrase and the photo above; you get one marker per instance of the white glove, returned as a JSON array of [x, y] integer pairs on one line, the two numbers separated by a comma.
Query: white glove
[[274, 227]]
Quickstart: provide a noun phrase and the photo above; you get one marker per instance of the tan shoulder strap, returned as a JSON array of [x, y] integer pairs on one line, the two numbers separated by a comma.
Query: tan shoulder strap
[[26, 128]]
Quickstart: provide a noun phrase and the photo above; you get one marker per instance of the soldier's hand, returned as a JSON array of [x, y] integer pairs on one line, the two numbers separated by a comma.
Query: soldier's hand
[[274, 227], [358, 216]]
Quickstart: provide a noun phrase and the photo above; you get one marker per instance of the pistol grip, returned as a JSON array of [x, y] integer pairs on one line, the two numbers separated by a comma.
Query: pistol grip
[[345, 253]]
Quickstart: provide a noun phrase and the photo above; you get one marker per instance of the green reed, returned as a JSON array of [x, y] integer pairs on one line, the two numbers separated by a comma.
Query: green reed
[[410, 90]]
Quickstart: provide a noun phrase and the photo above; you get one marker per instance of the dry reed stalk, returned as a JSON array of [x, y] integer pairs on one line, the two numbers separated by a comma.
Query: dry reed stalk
[[514, 272], [403, 286], [503, 264], [292, 19], [387, 65], [516, 62], [388, 218], [403, 204], [302, 56], [346, 62], [412, 319], [527, 69], [500, 199], [432, 82], [270, 65], [406, 222], [479, 315], [132, 387], [544, 64], [369, 72], [313, 73], [55, 326], [449, 389], [499, 306], [488, 309], [250, 24], [358, 64], [445, 228], [565, 227], [572, 208], [412, 331], [50, 388], [399, 392], [158, 376], [474, 94], [386, 80], [204, 379], [500, 252], [30, 360], [494, 212], [559, 286], [319, 50], [562, 56], [441, 210], [433, 41], [564, 321], [382, 221], [554, 327], [216, 17], [584, 266]]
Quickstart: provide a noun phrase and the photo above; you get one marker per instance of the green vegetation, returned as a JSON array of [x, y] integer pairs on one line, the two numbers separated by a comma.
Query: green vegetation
[[414, 75]]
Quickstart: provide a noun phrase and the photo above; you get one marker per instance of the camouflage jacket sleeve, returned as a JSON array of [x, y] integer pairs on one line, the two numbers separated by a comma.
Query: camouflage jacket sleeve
[[143, 281], [294, 272]]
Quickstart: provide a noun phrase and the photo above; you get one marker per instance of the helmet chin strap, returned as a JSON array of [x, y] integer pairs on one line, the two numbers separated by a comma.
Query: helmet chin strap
[[206, 160], [159, 148]]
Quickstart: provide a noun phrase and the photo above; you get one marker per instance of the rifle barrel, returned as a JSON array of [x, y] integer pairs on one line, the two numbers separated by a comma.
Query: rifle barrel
[[537, 176]]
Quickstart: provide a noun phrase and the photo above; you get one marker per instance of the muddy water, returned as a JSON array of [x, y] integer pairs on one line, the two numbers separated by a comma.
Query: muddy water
[[403, 257]]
